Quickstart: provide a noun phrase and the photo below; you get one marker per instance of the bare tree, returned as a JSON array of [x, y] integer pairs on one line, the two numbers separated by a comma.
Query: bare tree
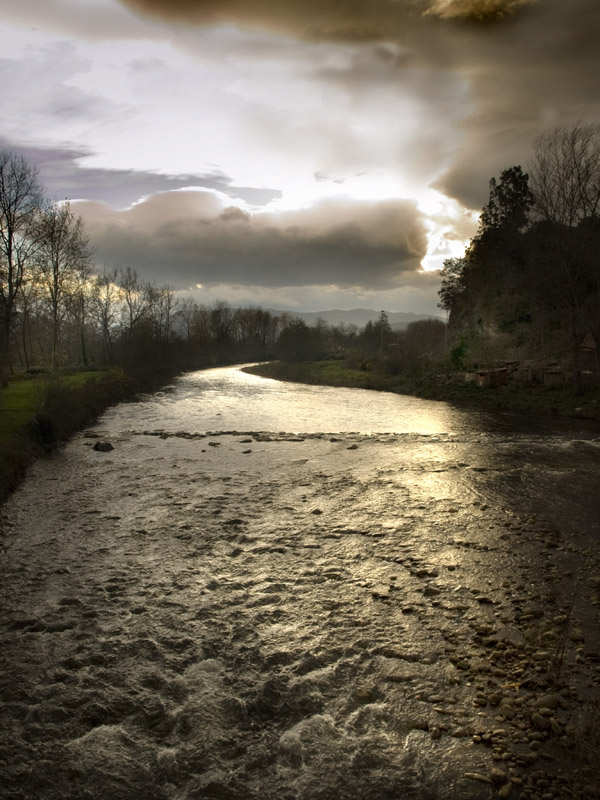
[[79, 307], [62, 260], [105, 296], [566, 187], [139, 299], [185, 316], [254, 331], [566, 174], [21, 197], [164, 307], [221, 326], [25, 321]]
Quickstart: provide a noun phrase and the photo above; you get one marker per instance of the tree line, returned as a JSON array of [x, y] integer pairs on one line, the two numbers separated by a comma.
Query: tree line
[[413, 350], [528, 285], [58, 310]]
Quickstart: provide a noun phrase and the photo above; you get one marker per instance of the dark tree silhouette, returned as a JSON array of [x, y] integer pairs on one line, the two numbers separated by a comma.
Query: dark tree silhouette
[[510, 203], [21, 198], [566, 187]]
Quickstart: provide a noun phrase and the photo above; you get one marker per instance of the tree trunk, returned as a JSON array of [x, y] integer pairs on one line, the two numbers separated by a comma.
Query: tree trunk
[[577, 381], [4, 351], [55, 341], [24, 336]]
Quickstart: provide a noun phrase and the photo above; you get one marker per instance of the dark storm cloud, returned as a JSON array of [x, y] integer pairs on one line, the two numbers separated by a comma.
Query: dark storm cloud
[[189, 237], [543, 73], [63, 178], [351, 20], [484, 11]]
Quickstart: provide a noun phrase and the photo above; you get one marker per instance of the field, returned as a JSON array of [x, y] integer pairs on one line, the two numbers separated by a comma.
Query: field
[[21, 399]]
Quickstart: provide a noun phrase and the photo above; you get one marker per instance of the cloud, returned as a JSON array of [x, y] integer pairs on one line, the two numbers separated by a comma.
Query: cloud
[[477, 10], [426, 98], [186, 238], [540, 73], [275, 105], [351, 20], [64, 175], [469, 84], [90, 20]]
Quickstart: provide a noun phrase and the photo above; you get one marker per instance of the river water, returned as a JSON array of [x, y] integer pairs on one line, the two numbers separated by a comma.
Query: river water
[[281, 592]]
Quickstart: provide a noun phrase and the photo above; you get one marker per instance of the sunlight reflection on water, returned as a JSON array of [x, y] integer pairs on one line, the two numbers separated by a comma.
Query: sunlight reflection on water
[[291, 613], [229, 399]]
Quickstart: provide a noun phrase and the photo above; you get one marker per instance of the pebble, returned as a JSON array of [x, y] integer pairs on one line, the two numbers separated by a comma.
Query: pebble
[[498, 775], [103, 447], [540, 722], [555, 725], [547, 701], [535, 745], [477, 776]]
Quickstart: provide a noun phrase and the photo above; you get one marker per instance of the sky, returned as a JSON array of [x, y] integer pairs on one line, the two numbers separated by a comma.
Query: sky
[[298, 154]]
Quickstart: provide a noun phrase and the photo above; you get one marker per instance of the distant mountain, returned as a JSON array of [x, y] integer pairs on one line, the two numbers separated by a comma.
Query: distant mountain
[[357, 316]]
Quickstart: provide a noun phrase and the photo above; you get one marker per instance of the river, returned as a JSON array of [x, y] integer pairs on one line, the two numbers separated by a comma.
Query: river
[[280, 592]]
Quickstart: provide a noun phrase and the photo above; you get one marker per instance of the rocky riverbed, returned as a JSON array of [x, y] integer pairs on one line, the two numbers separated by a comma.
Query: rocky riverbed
[[298, 616]]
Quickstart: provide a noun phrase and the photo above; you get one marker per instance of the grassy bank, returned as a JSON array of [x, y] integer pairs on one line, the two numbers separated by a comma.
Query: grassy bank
[[38, 413], [21, 399], [326, 373], [539, 400]]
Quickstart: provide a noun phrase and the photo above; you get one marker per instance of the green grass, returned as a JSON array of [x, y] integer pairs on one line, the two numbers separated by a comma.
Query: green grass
[[327, 373], [528, 399], [84, 376], [36, 412], [18, 403], [22, 398]]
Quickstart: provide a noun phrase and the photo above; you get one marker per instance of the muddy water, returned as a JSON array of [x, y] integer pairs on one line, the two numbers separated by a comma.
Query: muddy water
[[282, 592]]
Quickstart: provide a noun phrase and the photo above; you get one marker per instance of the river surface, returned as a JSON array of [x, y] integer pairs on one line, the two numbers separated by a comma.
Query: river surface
[[281, 592]]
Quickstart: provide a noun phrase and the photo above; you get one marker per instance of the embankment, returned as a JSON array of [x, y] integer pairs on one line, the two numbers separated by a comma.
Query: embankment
[[61, 406], [537, 400]]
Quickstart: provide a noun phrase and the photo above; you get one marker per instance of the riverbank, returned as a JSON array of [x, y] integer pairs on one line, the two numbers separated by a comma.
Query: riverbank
[[537, 400], [41, 412]]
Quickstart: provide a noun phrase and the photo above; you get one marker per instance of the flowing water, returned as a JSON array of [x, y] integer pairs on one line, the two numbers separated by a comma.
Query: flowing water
[[281, 592]]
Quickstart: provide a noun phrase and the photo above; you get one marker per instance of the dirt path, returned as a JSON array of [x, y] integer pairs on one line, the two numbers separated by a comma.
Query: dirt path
[[287, 617]]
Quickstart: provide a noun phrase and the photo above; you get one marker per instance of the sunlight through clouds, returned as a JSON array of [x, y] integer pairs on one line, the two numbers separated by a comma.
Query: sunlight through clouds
[[283, 109], [449, 227]]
